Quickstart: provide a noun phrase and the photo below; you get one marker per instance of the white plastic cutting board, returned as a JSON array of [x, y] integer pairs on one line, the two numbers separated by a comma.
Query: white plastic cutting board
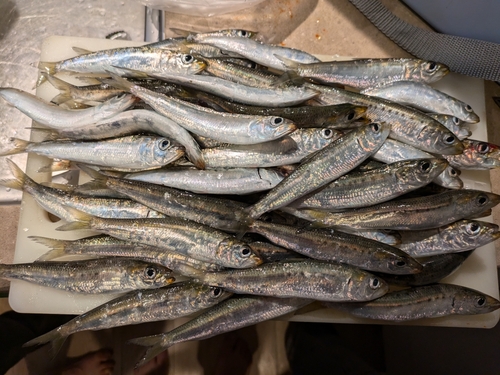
[[478, 272]]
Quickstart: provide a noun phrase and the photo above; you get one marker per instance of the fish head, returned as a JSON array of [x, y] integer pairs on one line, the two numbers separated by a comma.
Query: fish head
[[480, 154], [267, 128], [421, 171], [314, 139], [151, 276], [204, 296], [373, 135], [181, 63], [165, 150], [468, 301], [427, 71], [450, 179], [480, 200], [397, 262], [436, 138], [364, 286], [468, 114], [233, 253], [472, 233]]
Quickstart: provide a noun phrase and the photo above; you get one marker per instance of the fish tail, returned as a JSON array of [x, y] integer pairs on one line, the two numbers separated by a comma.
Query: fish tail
[[63, 86], [20, 178], [82, 220], [55, 337], [244, 222], [81, 51], [48, 68], [96, 175], [119, 82], [156, 345], [48, 134], [20, 146], [58, 247]]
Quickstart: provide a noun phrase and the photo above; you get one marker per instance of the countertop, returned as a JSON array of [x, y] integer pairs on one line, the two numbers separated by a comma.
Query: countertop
[[328, 27]]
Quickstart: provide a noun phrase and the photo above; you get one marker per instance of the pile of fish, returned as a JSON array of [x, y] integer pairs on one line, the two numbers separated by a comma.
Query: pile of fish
[[263, 178]]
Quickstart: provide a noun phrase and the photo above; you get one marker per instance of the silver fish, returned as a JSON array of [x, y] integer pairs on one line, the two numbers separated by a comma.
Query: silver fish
[[477, 155], [127, 154], [56, 117], [139, 306], [429, 301], [308, 141], [104, 275], [459, 236], [237, 129], [229, 315], [213, 181], [425, 98], [328, 164], [454, 124]]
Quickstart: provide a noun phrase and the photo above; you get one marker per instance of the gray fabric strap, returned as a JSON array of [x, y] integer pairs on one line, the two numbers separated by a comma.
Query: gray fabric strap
[[472, 57]]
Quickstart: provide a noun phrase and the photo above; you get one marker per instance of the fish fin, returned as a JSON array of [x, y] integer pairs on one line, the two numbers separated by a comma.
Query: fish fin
[[287, 63], [132, 73], [20, 146], [118, 82], [96, 175], [155, 346], [63, 187], [82, 220], [57, 165], [53, 336], [57, 247], [57, 82], [60, 98], [81, 51], [48, 134], [47, 67], [20, 178]]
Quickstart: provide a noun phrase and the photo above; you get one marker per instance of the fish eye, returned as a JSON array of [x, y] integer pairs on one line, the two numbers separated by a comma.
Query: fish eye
[[374, 283], [480, 301], [453, 172], [375, 127], [468, 108], [351, 116], [150, 272], [456, 120], [449, 139], [246, 252], [216, 292], [163, 144], [425, 166], [187, 59], [482, 199], [473, 228], [327, 133], [277, 120], [432, 66], [400, 263], [242, 33], [483, 148]]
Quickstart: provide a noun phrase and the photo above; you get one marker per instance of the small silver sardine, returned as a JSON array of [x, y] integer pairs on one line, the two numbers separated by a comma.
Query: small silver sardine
[[213, 181], [362, 73], [360, 189], [459, 236], [139, 306], [226, 127], [227, 316], [328, 164], [454, 124], [308, 141], [105, 275], [425, 98], [430, 301], [56, 117], [126, 154]]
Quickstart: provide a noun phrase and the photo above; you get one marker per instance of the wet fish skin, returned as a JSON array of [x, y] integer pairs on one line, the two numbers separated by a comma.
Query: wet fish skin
[[213, 181], [337, 246], [326, 165], [179, 235], [408, 214], [311, 279], [56, 117], [459, 236], [104, 275], [363, 73], [229, 315], [138, 306], [128, 154], [408, 125], [477, 155], [430, 301], [308, 141], [425, 98], [454, 124], [361, 189], [435, 269]]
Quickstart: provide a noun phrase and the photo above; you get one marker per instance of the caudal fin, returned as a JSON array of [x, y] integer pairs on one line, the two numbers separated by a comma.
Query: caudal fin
[[46, 67], [20, 178], [54, 337], [82, 220], [57, 247], [20, 146], [156, 344]]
